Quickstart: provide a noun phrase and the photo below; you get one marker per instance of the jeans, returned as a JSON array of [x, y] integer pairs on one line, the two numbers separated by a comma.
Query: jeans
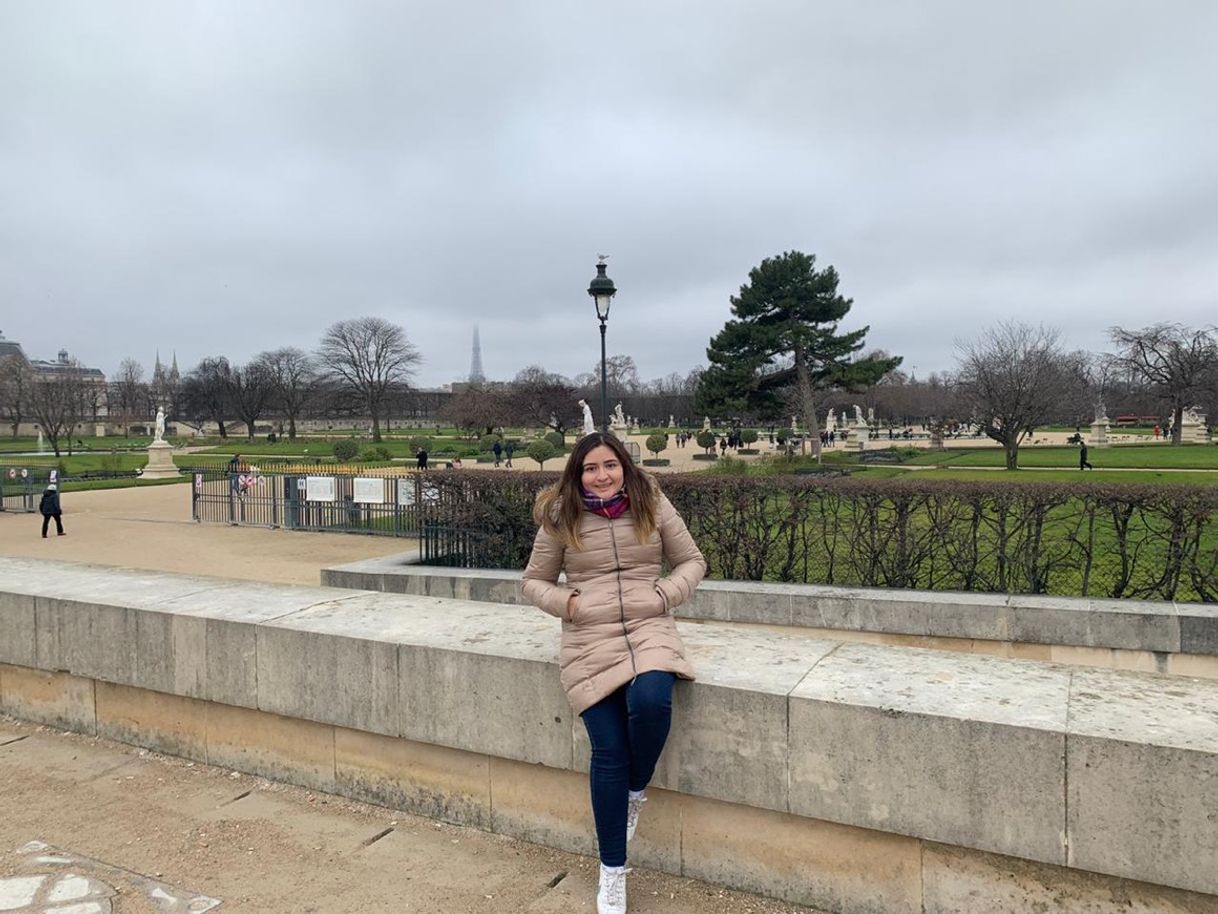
[[46, 522], [627, 731]]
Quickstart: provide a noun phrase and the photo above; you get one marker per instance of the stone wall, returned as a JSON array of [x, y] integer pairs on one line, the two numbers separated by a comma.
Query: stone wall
[[850, 777]]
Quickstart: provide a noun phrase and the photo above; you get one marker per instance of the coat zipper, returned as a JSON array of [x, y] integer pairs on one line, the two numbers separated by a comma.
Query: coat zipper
[[621, 598]]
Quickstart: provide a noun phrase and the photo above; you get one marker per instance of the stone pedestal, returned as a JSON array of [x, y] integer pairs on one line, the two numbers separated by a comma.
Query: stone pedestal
[[1193, 432], [861, 435], [160, 461], [1099, 435]]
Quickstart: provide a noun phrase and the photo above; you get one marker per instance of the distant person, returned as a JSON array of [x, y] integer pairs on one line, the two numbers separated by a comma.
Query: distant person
[[508, 450], [497, 450], [420, 458], [1082, 456], [234, 473], [455, 464], [48, 507]]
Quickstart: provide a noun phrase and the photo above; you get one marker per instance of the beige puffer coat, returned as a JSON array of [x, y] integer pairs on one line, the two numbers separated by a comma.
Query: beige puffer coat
[[622, 624]]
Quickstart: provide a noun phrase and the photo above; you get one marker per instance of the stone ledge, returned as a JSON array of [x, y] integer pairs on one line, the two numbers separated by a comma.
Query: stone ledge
[[832, 867], [968, 751], [1129, 625]]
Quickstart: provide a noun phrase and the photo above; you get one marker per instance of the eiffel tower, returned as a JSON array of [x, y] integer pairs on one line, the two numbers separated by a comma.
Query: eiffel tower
[[475, 363]]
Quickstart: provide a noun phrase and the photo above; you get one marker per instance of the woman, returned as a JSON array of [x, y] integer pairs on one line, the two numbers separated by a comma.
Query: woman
[[48, 507], [607, 525]]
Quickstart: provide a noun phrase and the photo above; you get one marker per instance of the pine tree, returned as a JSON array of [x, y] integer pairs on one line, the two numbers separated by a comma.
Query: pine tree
[[783, 337]]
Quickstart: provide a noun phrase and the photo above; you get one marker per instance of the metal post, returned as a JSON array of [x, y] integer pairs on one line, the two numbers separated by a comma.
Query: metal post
[[604, 384]]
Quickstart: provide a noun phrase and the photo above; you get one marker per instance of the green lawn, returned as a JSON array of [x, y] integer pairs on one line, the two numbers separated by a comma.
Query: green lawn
[[1082, 478], [1134, 456]]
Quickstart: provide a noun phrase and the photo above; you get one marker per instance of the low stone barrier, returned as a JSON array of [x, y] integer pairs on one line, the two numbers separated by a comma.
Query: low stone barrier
[[1142, 635], [850, 777]]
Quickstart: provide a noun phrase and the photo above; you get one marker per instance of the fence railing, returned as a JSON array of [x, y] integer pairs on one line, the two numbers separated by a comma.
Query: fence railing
[[377, 503]]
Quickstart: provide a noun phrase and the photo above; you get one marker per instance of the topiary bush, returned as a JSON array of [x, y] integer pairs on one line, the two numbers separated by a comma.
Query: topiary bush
[[656, 443], [346, 450], [487, 442], [557, 440], [542, 450], [749, 436], [706, 440]]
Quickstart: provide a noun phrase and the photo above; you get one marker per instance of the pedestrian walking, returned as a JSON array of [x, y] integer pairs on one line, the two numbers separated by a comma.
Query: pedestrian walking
[[1082, 456], [420, 458], [508, 450], [48, 507], [608, 526], [497, 450]]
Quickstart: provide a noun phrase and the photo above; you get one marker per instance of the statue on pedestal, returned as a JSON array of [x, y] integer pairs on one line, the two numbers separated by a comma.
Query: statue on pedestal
[[160, 424], [858, 415], [706, 424], [619, 417]]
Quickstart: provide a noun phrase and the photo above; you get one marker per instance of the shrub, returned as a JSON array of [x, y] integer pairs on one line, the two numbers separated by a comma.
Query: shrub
[[378, 454], [749, 436], [557, 440], [346, 449], [706, 440], [782, 435], [487, 442], [413, 444], [656, 443], [541, 450]]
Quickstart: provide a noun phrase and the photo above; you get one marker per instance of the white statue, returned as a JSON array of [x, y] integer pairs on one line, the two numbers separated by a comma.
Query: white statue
[[1191, 416], [1101, 413], [160, 425], [794, 426], [830, 421], [634, 424], [871, 415], [589, 425], [858, 415], [706, 423], [619, 417], [671, 424]]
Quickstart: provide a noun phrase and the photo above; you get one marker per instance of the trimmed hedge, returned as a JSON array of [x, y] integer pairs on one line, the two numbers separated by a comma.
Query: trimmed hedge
[[1138, 541]]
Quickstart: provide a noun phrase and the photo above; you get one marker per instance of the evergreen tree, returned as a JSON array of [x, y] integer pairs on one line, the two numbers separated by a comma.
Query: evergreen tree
[[784, 339]]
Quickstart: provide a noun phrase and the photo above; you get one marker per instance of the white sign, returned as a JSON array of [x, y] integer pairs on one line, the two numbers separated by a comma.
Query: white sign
[[406, 492], [199, 482], [319, 488], [369, 490]]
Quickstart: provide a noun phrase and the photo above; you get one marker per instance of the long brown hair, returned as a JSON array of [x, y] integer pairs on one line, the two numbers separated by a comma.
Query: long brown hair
[[559, 507]]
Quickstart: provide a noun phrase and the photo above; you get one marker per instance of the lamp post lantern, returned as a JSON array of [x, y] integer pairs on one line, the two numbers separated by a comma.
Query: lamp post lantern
[[602, 291]]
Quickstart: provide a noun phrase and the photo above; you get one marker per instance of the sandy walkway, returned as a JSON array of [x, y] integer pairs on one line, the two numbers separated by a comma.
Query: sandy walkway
[[151, 528]]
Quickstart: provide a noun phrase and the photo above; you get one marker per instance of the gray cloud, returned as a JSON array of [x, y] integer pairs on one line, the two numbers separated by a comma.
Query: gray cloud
[[227, 177]]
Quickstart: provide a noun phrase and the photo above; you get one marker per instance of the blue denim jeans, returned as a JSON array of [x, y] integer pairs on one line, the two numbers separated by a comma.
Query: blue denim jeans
[[627, 731]]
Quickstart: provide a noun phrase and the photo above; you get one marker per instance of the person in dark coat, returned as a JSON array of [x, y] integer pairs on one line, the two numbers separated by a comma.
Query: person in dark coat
[[48, 507], [497, 450], [1082, 456], [508, 450]]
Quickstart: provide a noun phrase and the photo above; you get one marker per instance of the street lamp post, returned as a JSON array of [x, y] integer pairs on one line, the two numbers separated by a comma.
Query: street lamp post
[[602, 291]]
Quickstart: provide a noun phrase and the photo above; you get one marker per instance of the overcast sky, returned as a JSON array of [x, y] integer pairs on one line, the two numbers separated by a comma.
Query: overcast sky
[[219, 178]]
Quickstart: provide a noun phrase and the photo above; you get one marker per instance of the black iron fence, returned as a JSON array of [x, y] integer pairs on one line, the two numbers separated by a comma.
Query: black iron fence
[[21, 487], [392, 503]]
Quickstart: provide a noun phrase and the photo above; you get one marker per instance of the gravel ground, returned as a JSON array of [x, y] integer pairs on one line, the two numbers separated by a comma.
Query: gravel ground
[[263, 847]]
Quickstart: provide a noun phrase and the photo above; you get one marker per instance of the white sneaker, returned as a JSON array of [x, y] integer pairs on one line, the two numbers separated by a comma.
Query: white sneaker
[[611, 894], [633, 808]]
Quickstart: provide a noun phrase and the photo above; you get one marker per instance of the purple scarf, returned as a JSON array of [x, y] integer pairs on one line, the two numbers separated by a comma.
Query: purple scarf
[[612, 507]]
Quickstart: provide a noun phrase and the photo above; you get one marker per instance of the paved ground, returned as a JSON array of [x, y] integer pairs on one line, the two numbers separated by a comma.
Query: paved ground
[[142, 823]]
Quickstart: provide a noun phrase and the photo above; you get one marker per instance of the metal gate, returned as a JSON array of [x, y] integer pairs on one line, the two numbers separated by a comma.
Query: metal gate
[[388, 505]]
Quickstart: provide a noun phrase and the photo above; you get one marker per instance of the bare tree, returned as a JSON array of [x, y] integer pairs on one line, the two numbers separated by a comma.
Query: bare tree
[[480, 408], [1012, 379], [369, 357], [541, 398], [16, 379], [58, 402], [293, 377], [205, 393], [1177, 363], [129, 393], [249, 390]]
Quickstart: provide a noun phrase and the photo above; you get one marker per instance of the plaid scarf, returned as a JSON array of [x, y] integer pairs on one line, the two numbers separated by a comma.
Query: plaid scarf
[[612, 507]]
